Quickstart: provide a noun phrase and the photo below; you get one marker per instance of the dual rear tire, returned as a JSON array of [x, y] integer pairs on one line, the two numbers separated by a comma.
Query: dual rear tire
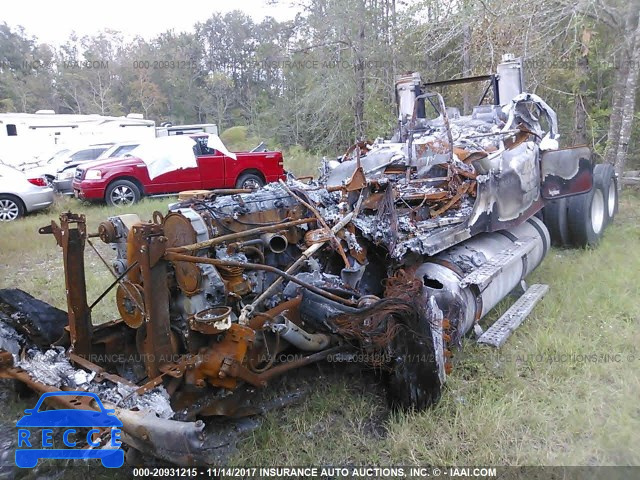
[[580, 220]]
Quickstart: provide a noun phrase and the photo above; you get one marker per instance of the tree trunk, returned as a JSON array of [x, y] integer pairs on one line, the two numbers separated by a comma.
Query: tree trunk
[[580, 115], [629, 103], [466, 68], [615, 119], [360, 79], [619, 88]]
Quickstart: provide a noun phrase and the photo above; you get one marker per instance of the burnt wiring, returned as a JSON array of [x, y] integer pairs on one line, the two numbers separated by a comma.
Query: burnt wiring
[[374, 328]]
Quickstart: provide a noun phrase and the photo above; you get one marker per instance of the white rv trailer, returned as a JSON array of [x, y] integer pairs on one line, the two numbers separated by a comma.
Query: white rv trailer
[[26, 136], [168, 129]]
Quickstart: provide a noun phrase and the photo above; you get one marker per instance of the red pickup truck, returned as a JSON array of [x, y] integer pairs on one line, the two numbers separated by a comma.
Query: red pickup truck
[[122, 181]]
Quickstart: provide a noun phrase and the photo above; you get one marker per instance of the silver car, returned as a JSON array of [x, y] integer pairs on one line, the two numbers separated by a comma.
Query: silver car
[[64, 176], [20, 194]]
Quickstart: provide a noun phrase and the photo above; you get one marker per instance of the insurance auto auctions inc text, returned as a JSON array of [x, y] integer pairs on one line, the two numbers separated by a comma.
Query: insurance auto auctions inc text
[[352, 472]]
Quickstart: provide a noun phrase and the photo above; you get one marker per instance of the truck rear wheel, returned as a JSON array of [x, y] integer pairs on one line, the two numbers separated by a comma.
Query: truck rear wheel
[[587, 216], [413, 382], [555, 218], [121, 193], [605, 175]]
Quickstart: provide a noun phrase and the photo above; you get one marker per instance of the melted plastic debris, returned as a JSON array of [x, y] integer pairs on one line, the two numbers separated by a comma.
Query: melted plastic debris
[[319, 279], [124, 396], [222, 254], [406, 225]]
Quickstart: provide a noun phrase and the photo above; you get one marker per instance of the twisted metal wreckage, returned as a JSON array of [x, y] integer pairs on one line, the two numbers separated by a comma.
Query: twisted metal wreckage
[[390, 258]]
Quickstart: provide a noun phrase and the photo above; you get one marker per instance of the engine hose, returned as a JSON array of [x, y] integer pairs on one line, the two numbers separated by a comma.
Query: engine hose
[[177, 257], [272, 357]]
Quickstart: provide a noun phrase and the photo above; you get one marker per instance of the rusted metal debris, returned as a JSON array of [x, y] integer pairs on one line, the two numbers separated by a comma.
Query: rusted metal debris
[[224, 294]]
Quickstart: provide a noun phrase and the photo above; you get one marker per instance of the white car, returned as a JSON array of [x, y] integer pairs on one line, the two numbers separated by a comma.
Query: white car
[[48, 168], [64, 175], [66, 157], [118, 150], [21, 194]]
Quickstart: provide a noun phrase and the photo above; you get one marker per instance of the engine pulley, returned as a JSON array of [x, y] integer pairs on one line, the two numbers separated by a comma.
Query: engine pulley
[[130, 301]]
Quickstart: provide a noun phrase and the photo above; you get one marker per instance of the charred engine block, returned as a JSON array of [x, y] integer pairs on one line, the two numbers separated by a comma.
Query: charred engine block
[[204, 301]]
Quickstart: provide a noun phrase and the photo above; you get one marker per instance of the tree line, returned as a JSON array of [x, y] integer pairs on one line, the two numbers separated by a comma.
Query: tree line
[[325, 79]]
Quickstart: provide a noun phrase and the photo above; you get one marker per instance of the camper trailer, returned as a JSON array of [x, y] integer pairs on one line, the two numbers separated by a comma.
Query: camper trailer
[[24, 137]]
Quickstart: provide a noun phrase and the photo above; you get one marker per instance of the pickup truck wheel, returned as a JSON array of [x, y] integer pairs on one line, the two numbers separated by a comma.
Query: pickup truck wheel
[[605, 175], [121, 193], [555, 218], [10, 208], [249, 181], [587, 216]]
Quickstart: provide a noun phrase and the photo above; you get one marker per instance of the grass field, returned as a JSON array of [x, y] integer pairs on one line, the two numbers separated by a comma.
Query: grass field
[[33, 262], [564, 390]]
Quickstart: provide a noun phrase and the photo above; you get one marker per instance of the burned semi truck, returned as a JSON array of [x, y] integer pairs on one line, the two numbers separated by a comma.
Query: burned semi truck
[[391, 257]]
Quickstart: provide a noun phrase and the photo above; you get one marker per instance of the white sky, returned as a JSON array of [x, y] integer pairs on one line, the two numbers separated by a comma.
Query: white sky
[[52, 21]]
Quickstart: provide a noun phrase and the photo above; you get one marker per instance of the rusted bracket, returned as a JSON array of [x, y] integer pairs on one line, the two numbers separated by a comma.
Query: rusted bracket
[[174, 370], [72, 241], [59, 232], [232, 368], [358, 180], [150, 385], [149, 245]]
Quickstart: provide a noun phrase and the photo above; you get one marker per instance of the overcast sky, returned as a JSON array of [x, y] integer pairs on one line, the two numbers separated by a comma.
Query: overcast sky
[[53, 21]]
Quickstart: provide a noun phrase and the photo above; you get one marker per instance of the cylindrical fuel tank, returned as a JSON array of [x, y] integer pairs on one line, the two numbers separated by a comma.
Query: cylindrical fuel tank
[[465, 305]]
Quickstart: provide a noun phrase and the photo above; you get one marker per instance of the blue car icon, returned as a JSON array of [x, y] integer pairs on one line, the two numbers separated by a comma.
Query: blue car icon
[[67, 419]]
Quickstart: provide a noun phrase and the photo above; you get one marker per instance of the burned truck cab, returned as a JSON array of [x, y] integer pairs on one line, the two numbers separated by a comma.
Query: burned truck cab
[[389, 259]]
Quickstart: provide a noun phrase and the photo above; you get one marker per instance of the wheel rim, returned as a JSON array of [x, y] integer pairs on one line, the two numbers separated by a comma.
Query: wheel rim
[[8, 210], [611, 200], [597, 211], [122, 195], [251, 184]]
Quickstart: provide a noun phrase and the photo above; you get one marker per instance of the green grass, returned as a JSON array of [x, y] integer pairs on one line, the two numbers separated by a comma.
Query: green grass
[[513, 406], [33, 262], [300, 162]]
